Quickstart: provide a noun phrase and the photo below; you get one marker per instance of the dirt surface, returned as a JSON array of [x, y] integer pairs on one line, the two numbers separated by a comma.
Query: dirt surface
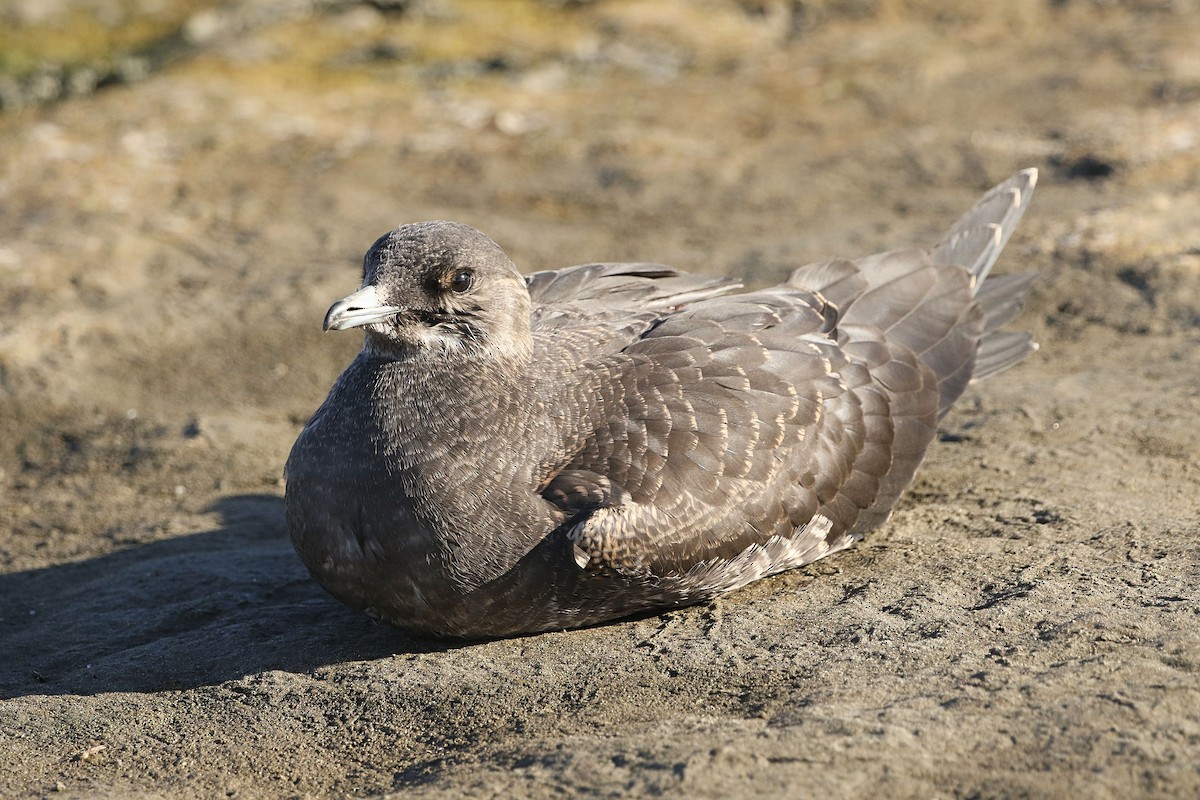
[[180, 203]]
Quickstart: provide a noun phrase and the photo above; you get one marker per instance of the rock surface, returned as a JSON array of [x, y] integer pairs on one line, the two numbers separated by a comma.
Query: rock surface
[[1025, 626]]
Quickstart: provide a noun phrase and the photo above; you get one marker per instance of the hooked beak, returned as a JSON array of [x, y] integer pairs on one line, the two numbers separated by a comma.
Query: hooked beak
[[361, 308]]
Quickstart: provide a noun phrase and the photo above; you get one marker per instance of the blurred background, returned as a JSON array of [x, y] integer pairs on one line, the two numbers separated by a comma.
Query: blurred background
[[186, 185]]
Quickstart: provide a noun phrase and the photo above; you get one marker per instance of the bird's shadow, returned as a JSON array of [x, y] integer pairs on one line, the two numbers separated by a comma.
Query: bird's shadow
[[189, 611]]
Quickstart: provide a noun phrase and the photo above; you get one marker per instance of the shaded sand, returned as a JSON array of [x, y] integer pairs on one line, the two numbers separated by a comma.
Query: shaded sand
[[1027, 624]]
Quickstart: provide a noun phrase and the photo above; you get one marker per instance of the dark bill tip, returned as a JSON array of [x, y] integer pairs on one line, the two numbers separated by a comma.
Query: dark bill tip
[[361, 308]]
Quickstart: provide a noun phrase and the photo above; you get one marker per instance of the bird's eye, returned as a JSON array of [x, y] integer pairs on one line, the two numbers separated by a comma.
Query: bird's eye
[[462, 281]]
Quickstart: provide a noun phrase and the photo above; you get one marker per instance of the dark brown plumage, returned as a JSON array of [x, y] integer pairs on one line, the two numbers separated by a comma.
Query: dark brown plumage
[[509, 454]]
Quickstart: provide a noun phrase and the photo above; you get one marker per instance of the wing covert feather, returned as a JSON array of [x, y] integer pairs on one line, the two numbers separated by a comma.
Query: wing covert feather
[[726, 411], [786, 420]]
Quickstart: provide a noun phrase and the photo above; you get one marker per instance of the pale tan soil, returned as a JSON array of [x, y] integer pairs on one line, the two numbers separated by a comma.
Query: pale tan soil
[[1026, 626]]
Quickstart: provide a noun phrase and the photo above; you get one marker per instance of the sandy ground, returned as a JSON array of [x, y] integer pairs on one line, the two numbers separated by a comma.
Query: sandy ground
[[1026, 626]]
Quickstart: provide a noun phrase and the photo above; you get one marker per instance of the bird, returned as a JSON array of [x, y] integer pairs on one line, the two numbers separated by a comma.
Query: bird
[[512, 454]]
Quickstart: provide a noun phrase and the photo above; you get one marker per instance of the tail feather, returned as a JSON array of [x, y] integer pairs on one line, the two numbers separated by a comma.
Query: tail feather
[[1002, 298], [941, 303], [976, 239], [938, 305], [1001, 350]]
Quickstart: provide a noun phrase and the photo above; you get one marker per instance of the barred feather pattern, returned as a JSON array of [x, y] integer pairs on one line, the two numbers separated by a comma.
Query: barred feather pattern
[[658, 440]]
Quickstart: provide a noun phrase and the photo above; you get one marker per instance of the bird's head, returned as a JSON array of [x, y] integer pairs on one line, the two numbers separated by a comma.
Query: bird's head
[[439, 287]]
